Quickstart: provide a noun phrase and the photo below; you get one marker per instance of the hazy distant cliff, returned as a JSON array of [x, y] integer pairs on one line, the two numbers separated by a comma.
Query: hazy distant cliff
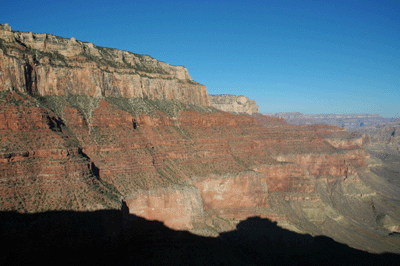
[[349, 121], [44, 64], [234, 104]]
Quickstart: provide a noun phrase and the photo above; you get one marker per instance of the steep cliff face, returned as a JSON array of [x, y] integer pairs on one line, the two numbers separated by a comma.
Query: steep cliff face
[[44, 64], [234, 104], [178, 206]]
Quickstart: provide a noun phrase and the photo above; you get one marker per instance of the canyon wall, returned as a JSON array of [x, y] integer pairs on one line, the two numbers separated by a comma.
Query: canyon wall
[[192, 169], [234, 104], [41, 166], [44, 64]]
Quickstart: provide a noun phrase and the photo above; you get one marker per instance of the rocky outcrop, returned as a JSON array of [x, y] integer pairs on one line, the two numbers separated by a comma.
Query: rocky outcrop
[[388, 132], [234, 104], [44, 64], [383, 142], [178, 206]]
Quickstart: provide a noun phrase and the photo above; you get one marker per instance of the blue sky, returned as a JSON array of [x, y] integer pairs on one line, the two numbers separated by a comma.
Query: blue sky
[[307, 56]]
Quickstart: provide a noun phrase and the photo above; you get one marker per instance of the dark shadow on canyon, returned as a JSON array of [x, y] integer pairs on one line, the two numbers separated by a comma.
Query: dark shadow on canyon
[[112, 237]]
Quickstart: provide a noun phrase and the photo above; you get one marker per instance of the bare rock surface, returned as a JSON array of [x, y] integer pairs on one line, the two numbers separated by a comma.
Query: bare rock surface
[[234, 104], [44, 64]]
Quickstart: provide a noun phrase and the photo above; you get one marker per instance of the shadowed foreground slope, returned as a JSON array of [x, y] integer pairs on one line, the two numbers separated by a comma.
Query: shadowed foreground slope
[[112, 237]]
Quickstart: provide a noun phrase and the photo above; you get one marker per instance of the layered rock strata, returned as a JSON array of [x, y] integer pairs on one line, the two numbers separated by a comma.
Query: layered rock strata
[[44, 64], [41, 166], [234, 104], [348, 121], [200, 171], [178, 206]]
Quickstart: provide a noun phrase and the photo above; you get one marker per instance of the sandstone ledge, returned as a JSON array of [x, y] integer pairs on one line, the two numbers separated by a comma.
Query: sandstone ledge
[[234, 104]]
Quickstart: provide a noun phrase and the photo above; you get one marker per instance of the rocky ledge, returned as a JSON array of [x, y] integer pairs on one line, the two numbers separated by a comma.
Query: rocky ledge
[[234, 104]]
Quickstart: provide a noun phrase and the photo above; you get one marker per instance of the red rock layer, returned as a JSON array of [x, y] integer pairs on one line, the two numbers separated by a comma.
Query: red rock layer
[[215, 152], [41, 169], [178, 206], [245, 190], [208, 149], [286, 177]]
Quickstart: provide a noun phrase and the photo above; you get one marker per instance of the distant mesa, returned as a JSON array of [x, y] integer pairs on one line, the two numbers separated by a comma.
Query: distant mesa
[[234, 104], [348, 121]]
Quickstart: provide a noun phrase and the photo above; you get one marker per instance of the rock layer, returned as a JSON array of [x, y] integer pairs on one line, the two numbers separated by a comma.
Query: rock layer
[[178, 206], [234, 104], [41, 166], [44, 64]]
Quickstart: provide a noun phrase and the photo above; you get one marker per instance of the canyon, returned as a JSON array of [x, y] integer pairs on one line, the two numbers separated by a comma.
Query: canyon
[[137, 146]]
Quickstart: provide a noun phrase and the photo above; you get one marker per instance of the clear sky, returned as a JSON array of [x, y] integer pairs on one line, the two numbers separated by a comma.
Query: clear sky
[[327, 56]]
